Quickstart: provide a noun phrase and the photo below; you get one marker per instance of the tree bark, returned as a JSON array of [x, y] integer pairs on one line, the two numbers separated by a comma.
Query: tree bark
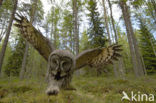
[[106, 21], [53, 28], [112, 19], [154, 5], [76, 34], [23, 69], [151, 41], [2, 53], [140, 66], [136, 57], [75, 30], [1, 1], [115, 70]]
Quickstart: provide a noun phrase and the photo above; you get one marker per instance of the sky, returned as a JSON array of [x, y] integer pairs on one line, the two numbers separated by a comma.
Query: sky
[[84, 23], [116, 9], [46, 5]]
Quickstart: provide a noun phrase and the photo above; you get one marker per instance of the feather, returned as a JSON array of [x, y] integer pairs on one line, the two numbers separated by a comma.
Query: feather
[[98, 56], [34, 37]]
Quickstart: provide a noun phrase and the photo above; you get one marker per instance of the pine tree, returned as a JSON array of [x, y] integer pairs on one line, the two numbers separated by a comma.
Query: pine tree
[[96, 29], [66, 31], [147, 48], [15, 60]]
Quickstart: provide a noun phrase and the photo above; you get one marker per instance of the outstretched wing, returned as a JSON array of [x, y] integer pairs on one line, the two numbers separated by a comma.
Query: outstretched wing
[[98, 57], [34, 37]]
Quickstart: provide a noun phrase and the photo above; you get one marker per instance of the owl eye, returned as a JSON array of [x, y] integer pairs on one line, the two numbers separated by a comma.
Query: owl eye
[[66, 65], [54, 61], [54, 58]]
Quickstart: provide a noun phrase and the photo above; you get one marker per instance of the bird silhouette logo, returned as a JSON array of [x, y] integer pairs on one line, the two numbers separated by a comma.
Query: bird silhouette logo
[[125, 96]]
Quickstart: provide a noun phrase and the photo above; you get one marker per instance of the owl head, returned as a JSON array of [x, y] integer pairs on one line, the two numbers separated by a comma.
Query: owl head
[[61, 63]]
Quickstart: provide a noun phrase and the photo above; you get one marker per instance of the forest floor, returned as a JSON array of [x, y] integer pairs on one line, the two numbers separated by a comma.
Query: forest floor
[[88, 90]]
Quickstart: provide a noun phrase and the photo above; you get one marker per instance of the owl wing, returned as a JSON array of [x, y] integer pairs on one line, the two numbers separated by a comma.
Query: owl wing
[[98, 57], [34, 37]]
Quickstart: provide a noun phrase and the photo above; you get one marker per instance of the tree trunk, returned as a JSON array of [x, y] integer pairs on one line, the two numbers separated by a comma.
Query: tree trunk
[[136, 58], [23, 69], [106, 21], [76, 34], [120, 63], [2, 53], [1, 1], [75, 30], [136, 48], [55, 35], [151, 41], [53, 28], [121, 67], [154, 6], [115, 70], [144, 66], [112, 20]]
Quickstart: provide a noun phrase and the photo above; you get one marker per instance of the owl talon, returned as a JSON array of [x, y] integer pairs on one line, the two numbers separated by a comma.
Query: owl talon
[[53, 91]]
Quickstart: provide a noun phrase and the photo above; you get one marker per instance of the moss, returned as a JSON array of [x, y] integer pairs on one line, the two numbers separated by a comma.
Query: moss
[[88, 90], [20, 89]]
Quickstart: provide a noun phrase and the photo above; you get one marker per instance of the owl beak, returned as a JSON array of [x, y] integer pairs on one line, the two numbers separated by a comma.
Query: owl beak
[[58, 69]]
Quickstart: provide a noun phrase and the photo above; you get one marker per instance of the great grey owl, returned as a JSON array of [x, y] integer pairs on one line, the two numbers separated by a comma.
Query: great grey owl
[[62, 63]]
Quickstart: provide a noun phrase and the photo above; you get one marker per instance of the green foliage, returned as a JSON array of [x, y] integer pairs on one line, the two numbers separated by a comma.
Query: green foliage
[[84, 41], [146, 41], [7, 5], [15, 60], [138, 3], [122, 39], [36, 65], [5, 12], [96, 28], [67, 35], [7, 54], [53, 18]]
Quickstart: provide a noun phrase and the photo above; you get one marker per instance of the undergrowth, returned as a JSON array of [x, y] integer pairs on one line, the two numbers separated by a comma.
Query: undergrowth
[[88, 90]]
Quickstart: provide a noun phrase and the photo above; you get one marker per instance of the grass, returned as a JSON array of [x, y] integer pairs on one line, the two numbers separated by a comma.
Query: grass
[[89, 90]]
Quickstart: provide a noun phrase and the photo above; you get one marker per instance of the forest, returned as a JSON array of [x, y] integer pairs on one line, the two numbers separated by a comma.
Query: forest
[[124, 26]]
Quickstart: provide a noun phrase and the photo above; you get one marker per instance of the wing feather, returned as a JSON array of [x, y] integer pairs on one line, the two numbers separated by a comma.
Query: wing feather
[[34, 37], [98, 57]]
